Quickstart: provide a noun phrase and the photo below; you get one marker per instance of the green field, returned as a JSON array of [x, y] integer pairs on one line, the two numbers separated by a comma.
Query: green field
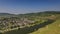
[[53, 28]]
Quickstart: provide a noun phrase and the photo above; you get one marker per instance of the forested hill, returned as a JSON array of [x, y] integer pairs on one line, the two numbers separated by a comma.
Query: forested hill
[[37, 13], [6, 14], [44, 13]]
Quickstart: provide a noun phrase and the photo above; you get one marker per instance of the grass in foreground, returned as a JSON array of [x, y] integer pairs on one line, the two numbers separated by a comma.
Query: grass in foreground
[[53, 28]]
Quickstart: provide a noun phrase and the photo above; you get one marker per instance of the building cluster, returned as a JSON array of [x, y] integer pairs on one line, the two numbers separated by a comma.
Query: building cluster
[[14, 22]]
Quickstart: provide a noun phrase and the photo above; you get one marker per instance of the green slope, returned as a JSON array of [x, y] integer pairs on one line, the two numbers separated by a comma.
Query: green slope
[[53, 28]]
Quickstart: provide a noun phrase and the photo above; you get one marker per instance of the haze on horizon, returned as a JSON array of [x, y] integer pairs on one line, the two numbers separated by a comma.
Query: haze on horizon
[[28, 6]]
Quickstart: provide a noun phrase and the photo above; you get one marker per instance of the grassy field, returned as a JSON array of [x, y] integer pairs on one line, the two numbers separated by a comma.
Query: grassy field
[[53, 28]]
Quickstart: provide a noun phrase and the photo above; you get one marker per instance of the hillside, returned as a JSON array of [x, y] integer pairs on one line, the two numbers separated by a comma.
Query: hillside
[[53, 28], [6, 15], [47, 22]]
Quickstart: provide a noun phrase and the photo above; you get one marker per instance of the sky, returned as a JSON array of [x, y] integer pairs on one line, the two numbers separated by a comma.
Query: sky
[[28, 6]]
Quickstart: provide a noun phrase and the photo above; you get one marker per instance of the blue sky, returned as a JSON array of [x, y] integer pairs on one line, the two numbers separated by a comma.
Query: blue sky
[[28, 6]]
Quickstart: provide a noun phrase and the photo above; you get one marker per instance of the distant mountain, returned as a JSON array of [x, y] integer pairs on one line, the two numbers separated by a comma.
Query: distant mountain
[[41, 13], [6, 14], [31, 14]]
